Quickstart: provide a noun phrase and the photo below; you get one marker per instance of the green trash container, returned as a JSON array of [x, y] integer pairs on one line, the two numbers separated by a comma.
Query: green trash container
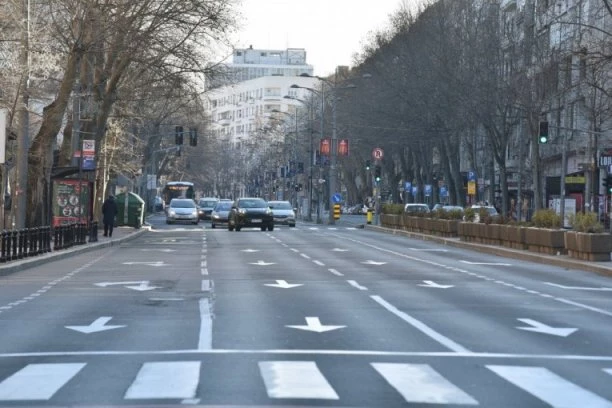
[[130, 210]]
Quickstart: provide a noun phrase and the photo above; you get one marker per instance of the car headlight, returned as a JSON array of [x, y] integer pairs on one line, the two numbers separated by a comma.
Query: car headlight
[[269, 211], [172, 213], [215, 216], [242, 211]]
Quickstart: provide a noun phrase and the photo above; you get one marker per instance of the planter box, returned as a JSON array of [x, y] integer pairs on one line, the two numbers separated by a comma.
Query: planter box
[[544, 240], [513, 236], [588, 247]]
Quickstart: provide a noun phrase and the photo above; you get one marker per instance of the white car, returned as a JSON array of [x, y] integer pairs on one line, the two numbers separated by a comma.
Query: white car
[[416, 208], [182, 210], [283, 213], [492, 211]]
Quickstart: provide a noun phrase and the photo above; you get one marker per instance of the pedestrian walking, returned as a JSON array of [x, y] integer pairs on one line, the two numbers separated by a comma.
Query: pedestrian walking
[[109, 212]]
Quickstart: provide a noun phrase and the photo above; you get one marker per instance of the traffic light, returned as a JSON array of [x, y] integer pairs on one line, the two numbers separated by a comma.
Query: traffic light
[[368, 163], [178, 135], [193, 137], [543, 134], [377, 173], [607, 183]]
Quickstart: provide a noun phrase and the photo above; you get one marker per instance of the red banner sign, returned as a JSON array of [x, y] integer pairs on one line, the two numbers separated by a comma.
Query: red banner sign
[[325, 147], [343, 147]]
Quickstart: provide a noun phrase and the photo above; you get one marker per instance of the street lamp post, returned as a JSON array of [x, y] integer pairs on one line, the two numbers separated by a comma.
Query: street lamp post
[[333, 87]]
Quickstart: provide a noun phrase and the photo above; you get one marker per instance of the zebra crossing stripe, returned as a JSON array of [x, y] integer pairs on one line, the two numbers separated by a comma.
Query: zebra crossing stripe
[[608, 370], [173, 379], [422, 384], [549, 387], [37, 381], [295, 379]]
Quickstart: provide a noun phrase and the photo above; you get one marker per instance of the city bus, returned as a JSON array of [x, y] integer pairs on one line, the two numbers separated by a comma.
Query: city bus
[[177, 189]]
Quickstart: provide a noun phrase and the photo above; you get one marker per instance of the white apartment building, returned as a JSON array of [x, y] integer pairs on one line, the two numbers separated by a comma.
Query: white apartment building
[[260, 81]]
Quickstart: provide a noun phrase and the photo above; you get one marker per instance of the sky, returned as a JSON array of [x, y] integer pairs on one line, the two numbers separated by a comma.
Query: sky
[[331, 31]]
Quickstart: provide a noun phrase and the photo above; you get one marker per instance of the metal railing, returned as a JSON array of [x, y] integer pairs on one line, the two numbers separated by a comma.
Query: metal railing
[[29, 242]]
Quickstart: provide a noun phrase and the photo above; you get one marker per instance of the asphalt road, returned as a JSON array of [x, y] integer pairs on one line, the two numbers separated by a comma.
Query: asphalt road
[[309, 316]]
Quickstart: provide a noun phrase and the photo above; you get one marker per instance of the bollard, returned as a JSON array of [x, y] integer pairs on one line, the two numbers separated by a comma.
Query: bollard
[[4, 254], [14, 239], [369, 216]]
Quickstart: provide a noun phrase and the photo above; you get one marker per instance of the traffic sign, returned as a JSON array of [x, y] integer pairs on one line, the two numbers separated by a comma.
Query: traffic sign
[[337, 198], [472, 176], [377, 153]]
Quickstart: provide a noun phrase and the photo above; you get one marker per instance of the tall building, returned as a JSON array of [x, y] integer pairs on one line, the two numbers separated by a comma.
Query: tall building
[[259, 88]]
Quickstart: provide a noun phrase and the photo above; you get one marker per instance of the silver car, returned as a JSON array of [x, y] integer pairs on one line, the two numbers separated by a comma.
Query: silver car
[[220, 213], [182, 210], [283, 213]]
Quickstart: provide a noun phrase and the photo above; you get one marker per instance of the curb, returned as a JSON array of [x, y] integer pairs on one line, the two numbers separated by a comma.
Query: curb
[[562, 261], [25, 263]]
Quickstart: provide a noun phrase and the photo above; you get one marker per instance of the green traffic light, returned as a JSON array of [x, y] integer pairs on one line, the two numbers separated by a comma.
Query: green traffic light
[[543, 139]]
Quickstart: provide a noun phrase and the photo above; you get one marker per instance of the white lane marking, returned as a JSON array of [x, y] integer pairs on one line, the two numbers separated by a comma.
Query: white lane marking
[[549, 387], [422, 327], [294, 250], [319, 263], [203, 264], [205, 285], [356, 285], [205, 338], [304, 256], [204, 271], [335, 272], [600, 289], [591, 308], [317, 352], [173, 379], [37, 381], [295, 379], [486, 263], [422, 384], [608, 370], [167, 299]]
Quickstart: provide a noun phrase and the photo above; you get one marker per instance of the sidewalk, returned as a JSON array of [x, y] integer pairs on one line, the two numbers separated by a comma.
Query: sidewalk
[[563, 261], [120, 234]]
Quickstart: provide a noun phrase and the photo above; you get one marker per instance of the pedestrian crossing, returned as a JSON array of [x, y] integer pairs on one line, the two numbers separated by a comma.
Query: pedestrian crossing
[[307, 380]]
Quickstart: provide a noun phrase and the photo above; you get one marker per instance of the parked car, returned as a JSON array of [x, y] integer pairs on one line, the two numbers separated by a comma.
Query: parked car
[[205, 207], [220, 213], [250, 212], [282, 212], [416, 208], [182, 209], [450, 208], [492, 211]]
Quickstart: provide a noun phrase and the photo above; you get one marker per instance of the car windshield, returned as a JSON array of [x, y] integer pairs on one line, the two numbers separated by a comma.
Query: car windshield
[[252, 203], [208, 203], [223, 206], [182, 204], [280, 206]]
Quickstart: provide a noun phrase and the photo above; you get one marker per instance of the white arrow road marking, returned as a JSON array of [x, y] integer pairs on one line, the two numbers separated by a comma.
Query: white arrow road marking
[[144, 286], [158, 250], [370, 262], [314, 324], [105, 284], [487, 263], [262, 263], [250, 250], [340, 250], [283, 284], [97, 326], [432, 284], [156, 263], [543, 328], [602, 289]]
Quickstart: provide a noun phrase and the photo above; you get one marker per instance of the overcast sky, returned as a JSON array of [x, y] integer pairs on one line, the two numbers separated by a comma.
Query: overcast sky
[[331, 31]]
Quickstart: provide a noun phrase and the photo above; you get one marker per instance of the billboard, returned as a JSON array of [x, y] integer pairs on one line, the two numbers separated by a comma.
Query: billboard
[[71, 201]]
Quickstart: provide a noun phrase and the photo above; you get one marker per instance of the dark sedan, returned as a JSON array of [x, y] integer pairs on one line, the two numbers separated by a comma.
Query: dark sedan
[[250, 212]]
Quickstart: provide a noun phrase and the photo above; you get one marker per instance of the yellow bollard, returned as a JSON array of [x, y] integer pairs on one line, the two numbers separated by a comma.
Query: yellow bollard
[[336, 211], [369, 216]]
